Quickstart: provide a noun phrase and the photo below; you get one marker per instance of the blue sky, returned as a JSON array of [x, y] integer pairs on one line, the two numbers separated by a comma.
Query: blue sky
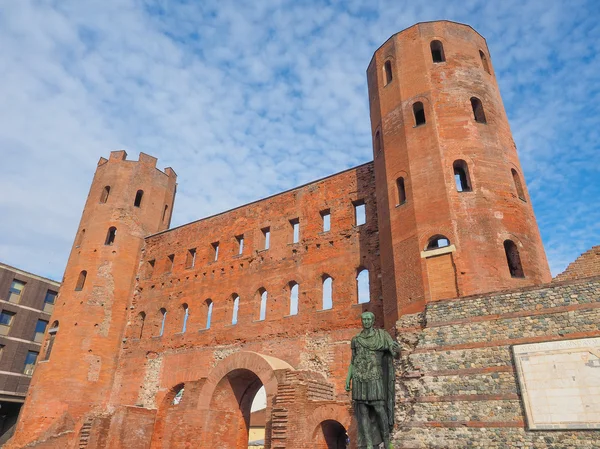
[[244, 99]]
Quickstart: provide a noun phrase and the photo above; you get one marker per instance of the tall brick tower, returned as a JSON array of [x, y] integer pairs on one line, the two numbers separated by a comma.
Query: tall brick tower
[[455, 218], [128, 200]]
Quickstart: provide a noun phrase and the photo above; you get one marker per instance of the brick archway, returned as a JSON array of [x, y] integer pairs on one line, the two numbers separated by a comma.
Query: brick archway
[[227, 394], [327, 421]]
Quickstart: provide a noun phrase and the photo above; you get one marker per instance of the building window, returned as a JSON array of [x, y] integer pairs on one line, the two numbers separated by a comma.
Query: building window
[[401, 191], [387, 70], [236, 309], [518, 185], [360, 213], [163, 316], [40, 330], [327, 292], [15, 291], [79, 238], [170, 262], [209, 311], [104, 195], [240, 242], [6, 320], [110, 236], [461, 176], [478, 113], [484, 62], [437, 241], [30, 360], [293, 298], [513, 259], [419, 113], [138, 198], [81, 281], [266, 232], [140, 321], [49, 301], [326, 217], [437, 52], [186, 315], [164, 217], [215, 248], [262, 314], [295, 223], [377, 143], [50, 341], [362, 286], [178, 395], [190, 260]]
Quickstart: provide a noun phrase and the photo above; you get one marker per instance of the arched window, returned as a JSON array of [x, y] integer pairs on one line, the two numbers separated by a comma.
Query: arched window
[[138, 198], [262, 315], [513, 259], [110, 236], [79, 238], [461, 176], [208, 304], [178, 397], [236, 309], [478, 113], [81, 281], [437, 51], [140, 320], [327, 292], [104, 194], [518, 185], [419, 113], [186, 315], [362, 286], [401, 191], [50, 341], [293, 298], [387, 69], [437, 241], [163, 316], [484, 62]]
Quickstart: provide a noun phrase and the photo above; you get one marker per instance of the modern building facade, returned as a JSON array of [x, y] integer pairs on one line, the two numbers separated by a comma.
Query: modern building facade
[[26, 303]]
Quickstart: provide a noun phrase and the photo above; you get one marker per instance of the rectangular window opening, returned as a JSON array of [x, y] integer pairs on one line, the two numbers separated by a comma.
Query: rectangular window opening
[[40, 330], [6, 320], [295, 223], [267, 237], [360, 213], [49, 301], [170, 261], [215, 247], [240, 242], [191, 258], [326, 216], [15, 291], [30, 360]]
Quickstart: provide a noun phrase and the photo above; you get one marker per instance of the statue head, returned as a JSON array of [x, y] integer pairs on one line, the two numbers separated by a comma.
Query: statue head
[[368, 319]]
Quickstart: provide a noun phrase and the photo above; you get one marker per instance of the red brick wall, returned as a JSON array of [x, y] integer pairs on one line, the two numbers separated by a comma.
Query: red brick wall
[[585, 266]]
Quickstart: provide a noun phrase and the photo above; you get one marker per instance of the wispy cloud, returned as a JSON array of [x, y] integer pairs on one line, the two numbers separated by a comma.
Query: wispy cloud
[[245, 99]]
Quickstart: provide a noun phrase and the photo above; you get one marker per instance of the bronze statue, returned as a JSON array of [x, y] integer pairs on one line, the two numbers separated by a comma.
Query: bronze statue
[[371, 374]]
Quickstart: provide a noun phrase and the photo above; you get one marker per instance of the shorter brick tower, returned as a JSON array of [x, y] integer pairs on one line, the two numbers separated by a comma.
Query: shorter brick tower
[[455, 218], [128, 200]]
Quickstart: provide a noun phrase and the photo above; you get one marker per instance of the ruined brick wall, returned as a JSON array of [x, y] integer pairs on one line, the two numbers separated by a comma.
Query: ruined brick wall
[[458, 386], [585, 266]]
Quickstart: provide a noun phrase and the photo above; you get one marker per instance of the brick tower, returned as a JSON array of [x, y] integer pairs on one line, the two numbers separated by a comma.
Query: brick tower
[[455, 218], [128, 200]]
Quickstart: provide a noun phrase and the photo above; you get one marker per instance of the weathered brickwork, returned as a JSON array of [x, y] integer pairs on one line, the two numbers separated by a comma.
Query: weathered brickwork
[[586, 265], [174, 331]]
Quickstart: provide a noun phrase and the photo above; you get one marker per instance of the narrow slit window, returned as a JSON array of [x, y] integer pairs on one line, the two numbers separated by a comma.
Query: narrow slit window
[[478, 113], [163, 317], [236, 309], [518, 185], [186, 315], [461, 176], [419, 113], [110, 236], [209, 304], [170, 262], [327, 292], [190, 260], [360, 213], [437, 52], [141, 320], [401, 191], [266, 237], [150, 268], [215, 247], [166, 209], [326, 217], [240, 243], [387, 69], [81, 281], [437, 241], [104, 194], [52, 332], [79, 238], [295, 223], [362, 286], [293, 298], [138, 198], [484, 62], [262, 315], [513, 259], [377, 143]]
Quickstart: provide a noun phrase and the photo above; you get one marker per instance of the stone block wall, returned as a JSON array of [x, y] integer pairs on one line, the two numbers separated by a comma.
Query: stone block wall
[[457, 386]]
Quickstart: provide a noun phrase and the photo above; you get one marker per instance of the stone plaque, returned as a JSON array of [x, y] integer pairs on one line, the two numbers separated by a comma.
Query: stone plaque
[[560, 383]]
